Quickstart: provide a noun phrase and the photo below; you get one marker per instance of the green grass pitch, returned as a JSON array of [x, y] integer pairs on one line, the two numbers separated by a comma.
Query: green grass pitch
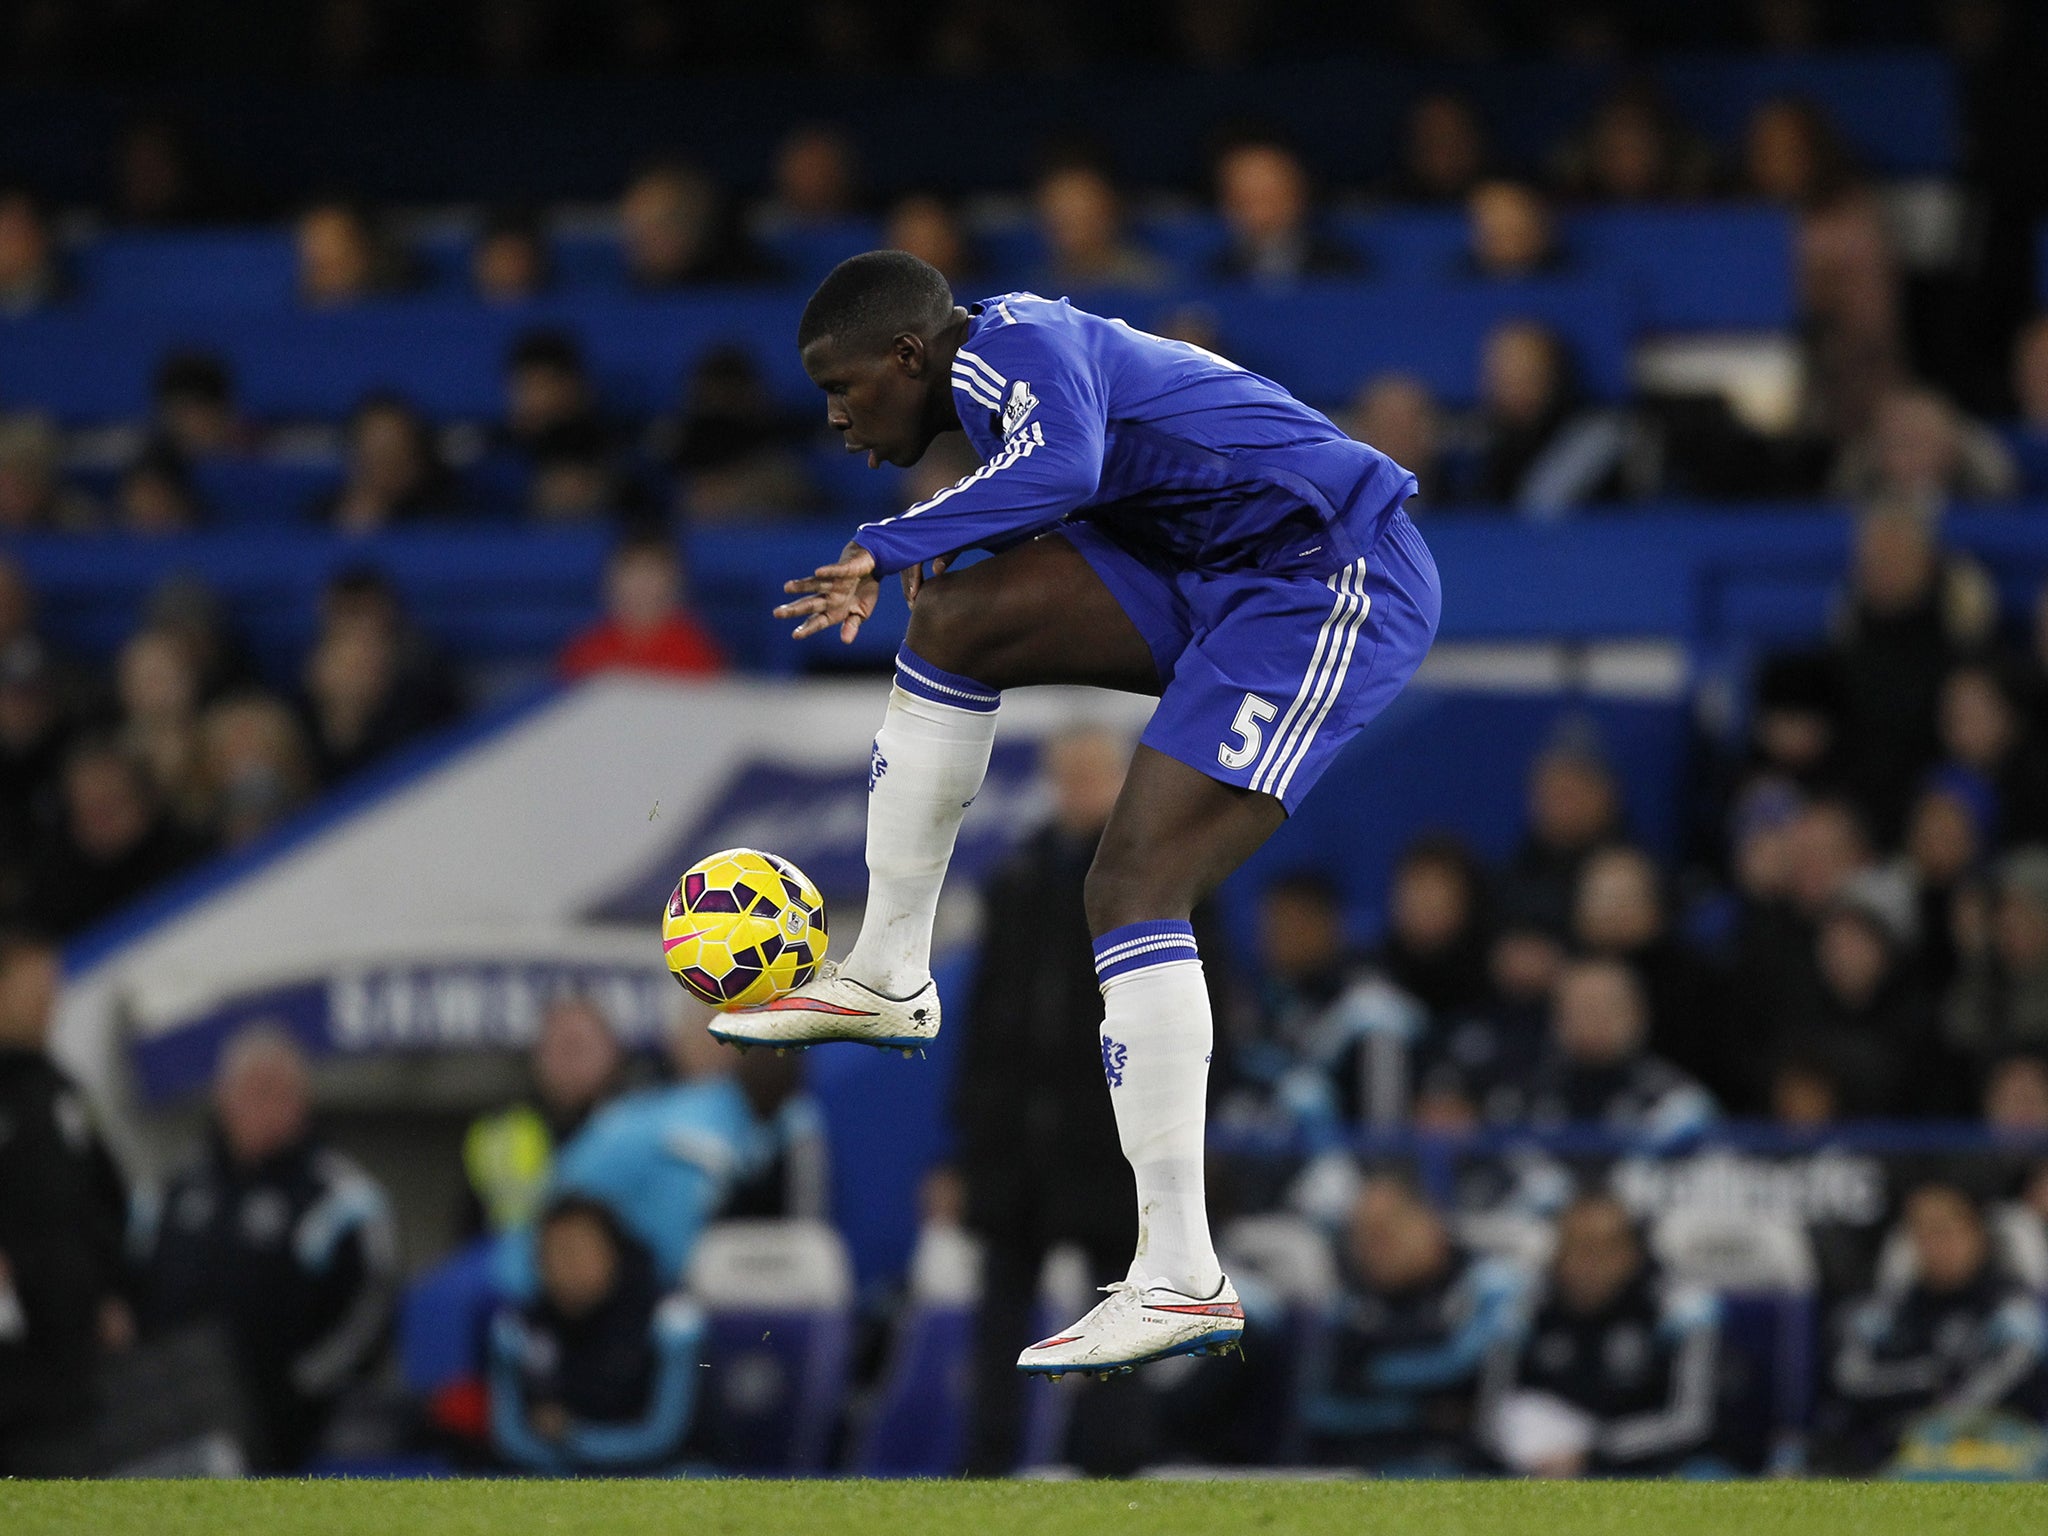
[[1260, 1508]]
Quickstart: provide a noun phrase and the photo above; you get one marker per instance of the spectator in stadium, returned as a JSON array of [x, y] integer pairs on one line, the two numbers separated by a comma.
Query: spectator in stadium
[[1919, 446], [1619, 911], [1435, 948], [343, 256], [33, 738], [577, 477], [1963, 1338], [929, 228], [256, 767], [817, 179], [1392, 1388], [1397, 414], [1081, 219], [1334, 1039], [30, 278], [576, 1067], [1509, 233], [730, 1118], [2027, 438], [2000, 1003], [62, 1209], [2016, 1094], [598, 1372], [1947, 838], [158, 178], [1616, 1373], [1264, 195], [156, 495], [157, 688], [193, 408], [547, 383], [734, 451], [1875, 1026], [1503, 1042], [112, 841], [393, 472], [1634, 151], [1542, 451], [356, 708], [33, 495], [1795, 725], [678, 231], [1991, 753], [1443, 151], [646, 627], [1574, 809], [1912, 611], [1599, 1069], [1849, 286], [280, 1238], [510, 262]]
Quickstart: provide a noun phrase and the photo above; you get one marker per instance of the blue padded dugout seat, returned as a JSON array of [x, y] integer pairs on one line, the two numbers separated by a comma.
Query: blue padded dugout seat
[[778, 1296], [918, 1423]]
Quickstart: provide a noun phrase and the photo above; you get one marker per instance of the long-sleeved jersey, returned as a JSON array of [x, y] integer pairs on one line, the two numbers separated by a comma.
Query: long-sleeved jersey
[[1170, 447]]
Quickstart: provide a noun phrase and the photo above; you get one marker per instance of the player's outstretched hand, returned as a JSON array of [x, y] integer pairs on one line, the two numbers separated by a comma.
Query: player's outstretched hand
[[914, 577], [842, 593]]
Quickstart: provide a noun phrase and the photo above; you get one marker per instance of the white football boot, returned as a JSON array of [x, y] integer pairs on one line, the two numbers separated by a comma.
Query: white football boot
[[834, 1006], [1140, 1324]]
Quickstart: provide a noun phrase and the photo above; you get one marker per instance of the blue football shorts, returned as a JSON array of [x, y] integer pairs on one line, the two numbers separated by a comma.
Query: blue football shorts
[[1267, 674]]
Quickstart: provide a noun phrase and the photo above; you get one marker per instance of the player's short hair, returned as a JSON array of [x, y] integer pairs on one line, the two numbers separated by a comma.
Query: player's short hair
[[867, 300]]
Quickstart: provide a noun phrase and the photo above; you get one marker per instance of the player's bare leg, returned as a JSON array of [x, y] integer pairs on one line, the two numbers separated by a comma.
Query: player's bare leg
[[1036, 613], [1175, 834]]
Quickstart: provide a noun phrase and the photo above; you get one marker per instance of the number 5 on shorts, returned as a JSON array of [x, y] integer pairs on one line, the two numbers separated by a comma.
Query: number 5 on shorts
[[1251, 737]]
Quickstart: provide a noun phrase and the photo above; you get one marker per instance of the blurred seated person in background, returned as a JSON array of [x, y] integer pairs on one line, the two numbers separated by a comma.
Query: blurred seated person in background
[[393, 471], [1334, 1040], [2000, 1003], [1081, 219], [1397, 414], [929, 228], [371, 682], [255, 767], [1599, 1069], [510, 262], [62, 1211], [280, 1238], [30, 278], [646, 627], [1435, 945], [157, 691], [1616, 1372], [576, 1067], [1947, 838], [1919, 445], [577, 477], [1392, 1388], [1509, 233], [1443, 153], [598, 1372], [1634, 151], [668, 1159], [1573, 805], [156, 495], [1543, 450], [1619, 913], [1991, 751], [2027, 438], [734, 451], [1503, 1041], [1963, 1338], [193, 411], [34, 497], [678, 231], [1264, 196], [1875, 1025], [112, 842], [816, 178], [343, 256], [547, 383]]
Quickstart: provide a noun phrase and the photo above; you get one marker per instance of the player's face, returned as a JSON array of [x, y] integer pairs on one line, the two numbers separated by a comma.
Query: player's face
[[879, 403]]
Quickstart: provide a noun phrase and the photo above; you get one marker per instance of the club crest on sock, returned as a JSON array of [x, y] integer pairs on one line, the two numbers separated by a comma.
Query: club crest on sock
[[1114, 1055]]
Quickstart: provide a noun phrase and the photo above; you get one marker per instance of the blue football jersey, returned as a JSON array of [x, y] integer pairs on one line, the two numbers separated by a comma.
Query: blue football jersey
[[1168, 447]]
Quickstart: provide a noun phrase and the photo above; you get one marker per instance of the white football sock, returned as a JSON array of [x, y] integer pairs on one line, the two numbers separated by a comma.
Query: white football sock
[[929, 760], [1156, 1040]]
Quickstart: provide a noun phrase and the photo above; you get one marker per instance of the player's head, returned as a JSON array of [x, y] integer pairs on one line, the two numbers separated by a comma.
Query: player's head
[[869, 340]]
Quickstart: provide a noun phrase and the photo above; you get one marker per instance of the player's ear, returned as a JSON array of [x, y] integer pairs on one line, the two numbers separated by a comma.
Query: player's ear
[[909, 353]]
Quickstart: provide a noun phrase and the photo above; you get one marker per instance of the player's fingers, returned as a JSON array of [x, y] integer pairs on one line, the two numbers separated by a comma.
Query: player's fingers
[[845, 570], [802, 584], [849, 629], [913, 578], [801, 606], [810, 626], [941, 565]]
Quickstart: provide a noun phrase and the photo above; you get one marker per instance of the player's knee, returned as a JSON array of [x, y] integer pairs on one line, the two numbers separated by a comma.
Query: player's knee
[[949, 629], [1121, 890]]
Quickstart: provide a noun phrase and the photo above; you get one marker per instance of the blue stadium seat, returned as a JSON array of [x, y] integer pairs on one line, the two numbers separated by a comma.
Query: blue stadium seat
[[779, 1299], [1694, 267], [1406, 245], [262, 492], [228, 269], [808, 251]]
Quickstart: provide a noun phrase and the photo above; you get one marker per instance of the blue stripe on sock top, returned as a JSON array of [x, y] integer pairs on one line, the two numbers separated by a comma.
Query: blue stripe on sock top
[[1135, 946], [919, 678]]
